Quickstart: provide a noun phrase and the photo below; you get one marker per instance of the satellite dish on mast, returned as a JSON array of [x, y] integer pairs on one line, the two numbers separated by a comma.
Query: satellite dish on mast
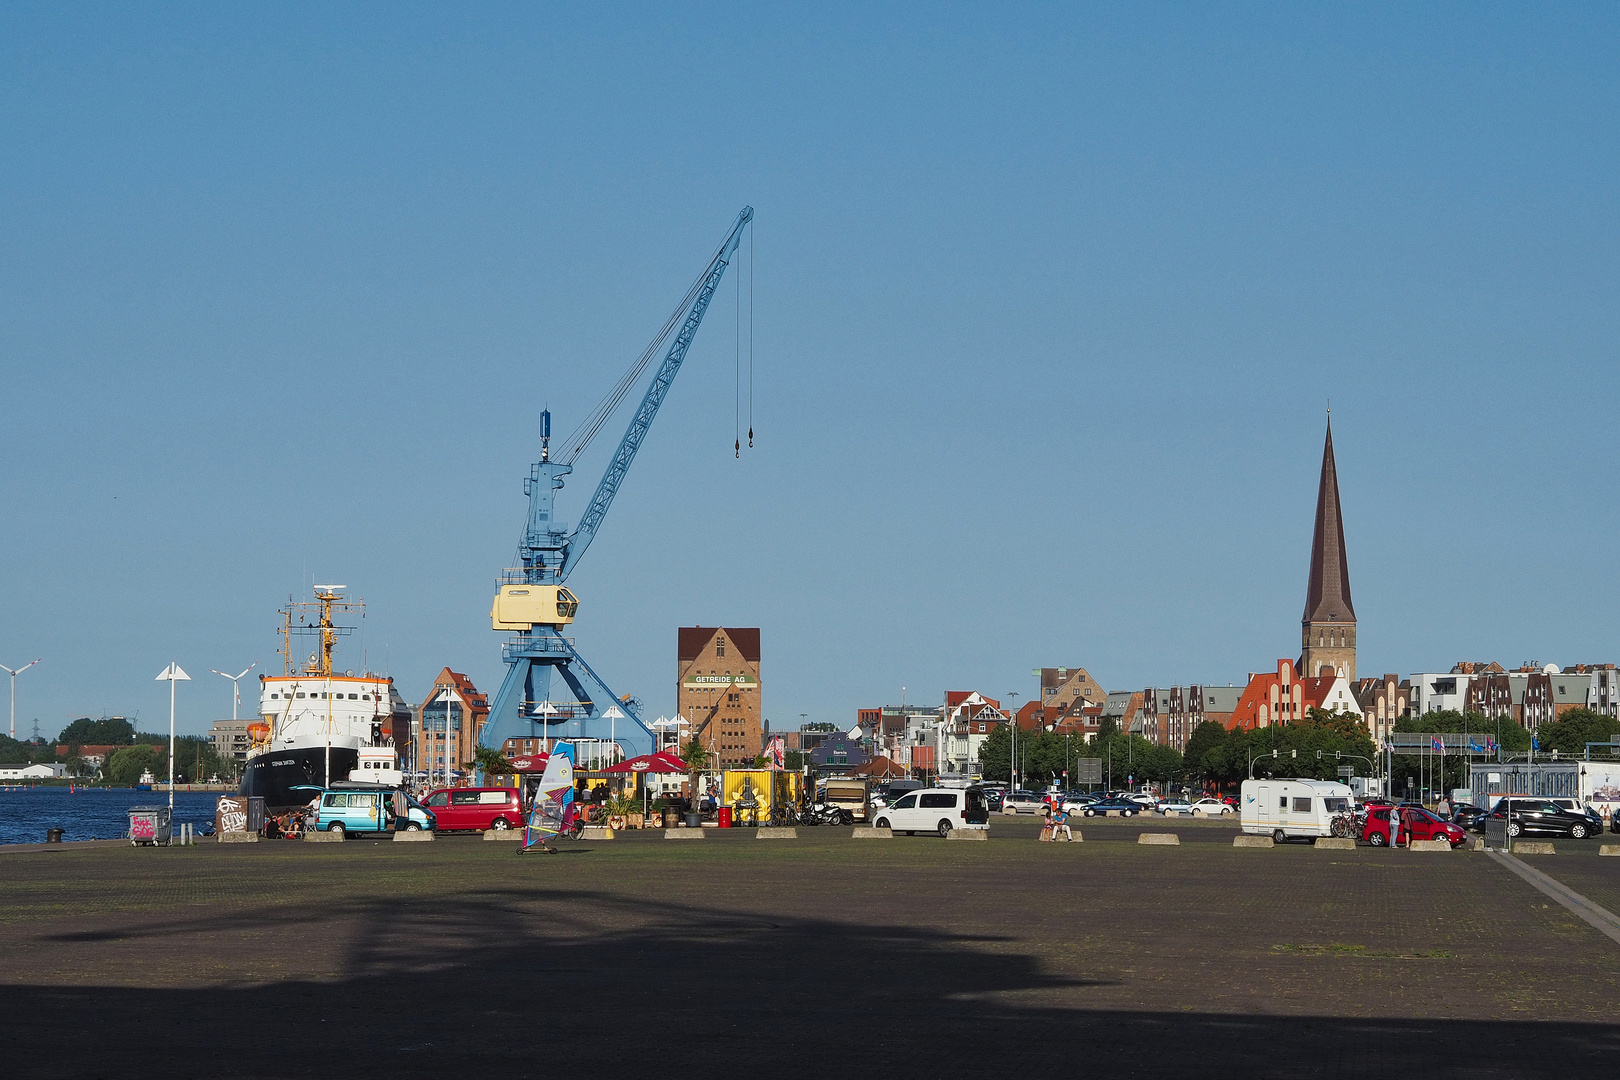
[[855, 732]]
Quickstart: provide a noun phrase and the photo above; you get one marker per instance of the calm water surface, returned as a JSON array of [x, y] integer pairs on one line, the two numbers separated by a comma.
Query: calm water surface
[[91, 813]]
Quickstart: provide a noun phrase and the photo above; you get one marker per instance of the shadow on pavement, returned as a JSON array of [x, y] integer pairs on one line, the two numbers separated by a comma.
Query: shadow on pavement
[[555, 982]]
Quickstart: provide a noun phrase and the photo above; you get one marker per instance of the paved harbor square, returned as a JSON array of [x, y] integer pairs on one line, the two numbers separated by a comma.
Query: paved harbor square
[[912, 956]]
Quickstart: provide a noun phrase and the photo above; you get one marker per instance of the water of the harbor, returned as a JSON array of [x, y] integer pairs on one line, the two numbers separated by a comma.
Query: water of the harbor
[[90, 813]]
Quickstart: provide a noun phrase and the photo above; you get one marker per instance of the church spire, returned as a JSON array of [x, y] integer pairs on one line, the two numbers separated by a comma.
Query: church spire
[[1327, 594]]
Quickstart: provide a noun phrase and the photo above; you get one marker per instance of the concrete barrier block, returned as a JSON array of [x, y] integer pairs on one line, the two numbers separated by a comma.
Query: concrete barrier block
[[312, 836], [1533, 847], [1473, 843], [239, 838], [770, 833], [1245, 840], [1111, 813], [683, 834], [597, 832], [1160, 839], [1429, 845], [503, 834], [863, 832], [1609, 849], [1335, 843], [420, 836], [968, 834]]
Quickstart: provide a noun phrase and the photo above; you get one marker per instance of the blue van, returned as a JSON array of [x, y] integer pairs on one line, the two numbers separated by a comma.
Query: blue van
[[366, 808]]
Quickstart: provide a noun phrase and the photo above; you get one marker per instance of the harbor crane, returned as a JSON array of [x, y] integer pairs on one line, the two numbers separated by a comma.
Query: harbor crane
[[531, 601]]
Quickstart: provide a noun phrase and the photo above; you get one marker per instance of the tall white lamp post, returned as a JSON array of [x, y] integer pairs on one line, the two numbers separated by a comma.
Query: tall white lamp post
[[14, 673], [171, 675], [613, 717], [547, 710]]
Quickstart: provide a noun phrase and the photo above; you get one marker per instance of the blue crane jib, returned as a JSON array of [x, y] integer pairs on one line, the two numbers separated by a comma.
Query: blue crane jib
[[532, 603]]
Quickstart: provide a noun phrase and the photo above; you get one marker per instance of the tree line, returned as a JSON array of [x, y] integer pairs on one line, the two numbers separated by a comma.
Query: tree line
[[195, 758], [1313, 747]]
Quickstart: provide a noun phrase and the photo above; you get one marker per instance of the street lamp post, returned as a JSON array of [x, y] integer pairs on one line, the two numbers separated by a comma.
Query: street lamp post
[[1012, 764], [14, 673], [171, 675]]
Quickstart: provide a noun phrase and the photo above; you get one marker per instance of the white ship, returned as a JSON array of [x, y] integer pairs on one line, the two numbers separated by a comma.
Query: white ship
[[315, 722]]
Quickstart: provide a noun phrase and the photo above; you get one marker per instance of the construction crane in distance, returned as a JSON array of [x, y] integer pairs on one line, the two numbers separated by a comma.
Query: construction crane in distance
[[531, 601]]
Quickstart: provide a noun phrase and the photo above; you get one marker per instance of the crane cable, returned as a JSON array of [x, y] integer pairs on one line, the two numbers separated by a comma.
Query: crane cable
[[750, 336], [736, 377], [582, 436]]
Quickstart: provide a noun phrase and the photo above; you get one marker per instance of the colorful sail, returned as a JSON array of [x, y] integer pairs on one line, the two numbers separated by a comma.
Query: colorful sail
[[553, 809]]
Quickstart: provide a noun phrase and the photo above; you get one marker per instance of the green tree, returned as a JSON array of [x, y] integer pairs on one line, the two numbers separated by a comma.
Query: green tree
[[1205, 755], [697, 759], [124, 767], [491, 762], [995, 754], [108, 731], [1570, 733]]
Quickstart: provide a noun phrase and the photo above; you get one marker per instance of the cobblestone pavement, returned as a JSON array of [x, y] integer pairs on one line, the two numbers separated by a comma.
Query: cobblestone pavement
[[906, 957]]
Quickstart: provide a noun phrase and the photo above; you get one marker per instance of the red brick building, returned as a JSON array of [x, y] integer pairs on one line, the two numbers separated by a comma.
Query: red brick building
[[718, 690]]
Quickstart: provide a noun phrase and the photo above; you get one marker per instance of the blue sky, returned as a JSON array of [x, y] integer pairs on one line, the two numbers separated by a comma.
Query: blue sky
[[1049, 303]]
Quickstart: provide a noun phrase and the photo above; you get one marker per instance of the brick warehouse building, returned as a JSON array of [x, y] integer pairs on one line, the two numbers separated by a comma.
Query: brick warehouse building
[[718, 690], [449, 719]]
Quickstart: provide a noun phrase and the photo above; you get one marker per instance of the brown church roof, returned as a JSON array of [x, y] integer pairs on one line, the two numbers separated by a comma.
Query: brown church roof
[[1327, 595], [694, 638]]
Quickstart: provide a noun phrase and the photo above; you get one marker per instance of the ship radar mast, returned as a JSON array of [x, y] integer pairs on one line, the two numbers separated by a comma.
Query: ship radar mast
[[314, 619]]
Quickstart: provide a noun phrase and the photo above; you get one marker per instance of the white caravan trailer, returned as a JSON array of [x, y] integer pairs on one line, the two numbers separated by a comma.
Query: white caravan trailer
[[1287, 809]]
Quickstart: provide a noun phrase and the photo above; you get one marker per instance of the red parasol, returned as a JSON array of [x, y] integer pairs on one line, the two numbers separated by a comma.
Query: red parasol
[[661, 762]]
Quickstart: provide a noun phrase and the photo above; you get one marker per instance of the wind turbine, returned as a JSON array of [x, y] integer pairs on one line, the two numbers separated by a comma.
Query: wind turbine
[[14, 673], [235, 685]]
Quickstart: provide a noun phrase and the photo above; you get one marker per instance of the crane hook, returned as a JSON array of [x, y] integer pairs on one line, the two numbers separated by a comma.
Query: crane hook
[[750, 438], [737, 448]]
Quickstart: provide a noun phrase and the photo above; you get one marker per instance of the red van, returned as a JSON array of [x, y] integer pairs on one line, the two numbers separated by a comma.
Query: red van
[[476, 808]]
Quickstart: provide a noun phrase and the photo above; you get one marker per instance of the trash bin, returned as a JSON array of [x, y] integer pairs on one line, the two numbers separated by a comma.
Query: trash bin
[[723, 818], [671, 818], [694, 820], [53, 836], [149, 825]]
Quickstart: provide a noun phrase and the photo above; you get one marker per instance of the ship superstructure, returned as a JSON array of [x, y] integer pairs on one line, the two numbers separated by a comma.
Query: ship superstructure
[[314, 721]]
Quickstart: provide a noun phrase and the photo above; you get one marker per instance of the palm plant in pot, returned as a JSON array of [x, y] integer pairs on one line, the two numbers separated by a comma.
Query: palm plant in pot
[[622, 810]]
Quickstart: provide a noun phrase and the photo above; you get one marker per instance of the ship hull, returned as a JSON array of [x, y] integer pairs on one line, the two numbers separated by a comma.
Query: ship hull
[[274, 774]]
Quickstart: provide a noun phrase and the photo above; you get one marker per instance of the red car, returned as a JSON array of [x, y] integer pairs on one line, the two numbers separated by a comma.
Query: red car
[[475, 808], [1416, 824]]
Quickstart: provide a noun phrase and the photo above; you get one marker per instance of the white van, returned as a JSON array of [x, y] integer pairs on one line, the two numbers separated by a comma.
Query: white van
[[1291, 808], [936, 810]]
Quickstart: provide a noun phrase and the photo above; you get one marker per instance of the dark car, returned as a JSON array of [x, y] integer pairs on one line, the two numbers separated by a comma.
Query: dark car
[[1100, 808], [993, 796], [1468, 816], [1540, 817]]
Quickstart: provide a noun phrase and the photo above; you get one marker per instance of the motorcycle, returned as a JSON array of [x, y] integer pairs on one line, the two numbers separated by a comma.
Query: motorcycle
[[827, 814]]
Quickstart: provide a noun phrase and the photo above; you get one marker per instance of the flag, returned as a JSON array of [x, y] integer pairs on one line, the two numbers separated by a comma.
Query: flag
[[1438, 744]]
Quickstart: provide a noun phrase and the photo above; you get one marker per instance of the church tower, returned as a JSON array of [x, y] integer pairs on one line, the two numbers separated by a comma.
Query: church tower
[[1328, 630]]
